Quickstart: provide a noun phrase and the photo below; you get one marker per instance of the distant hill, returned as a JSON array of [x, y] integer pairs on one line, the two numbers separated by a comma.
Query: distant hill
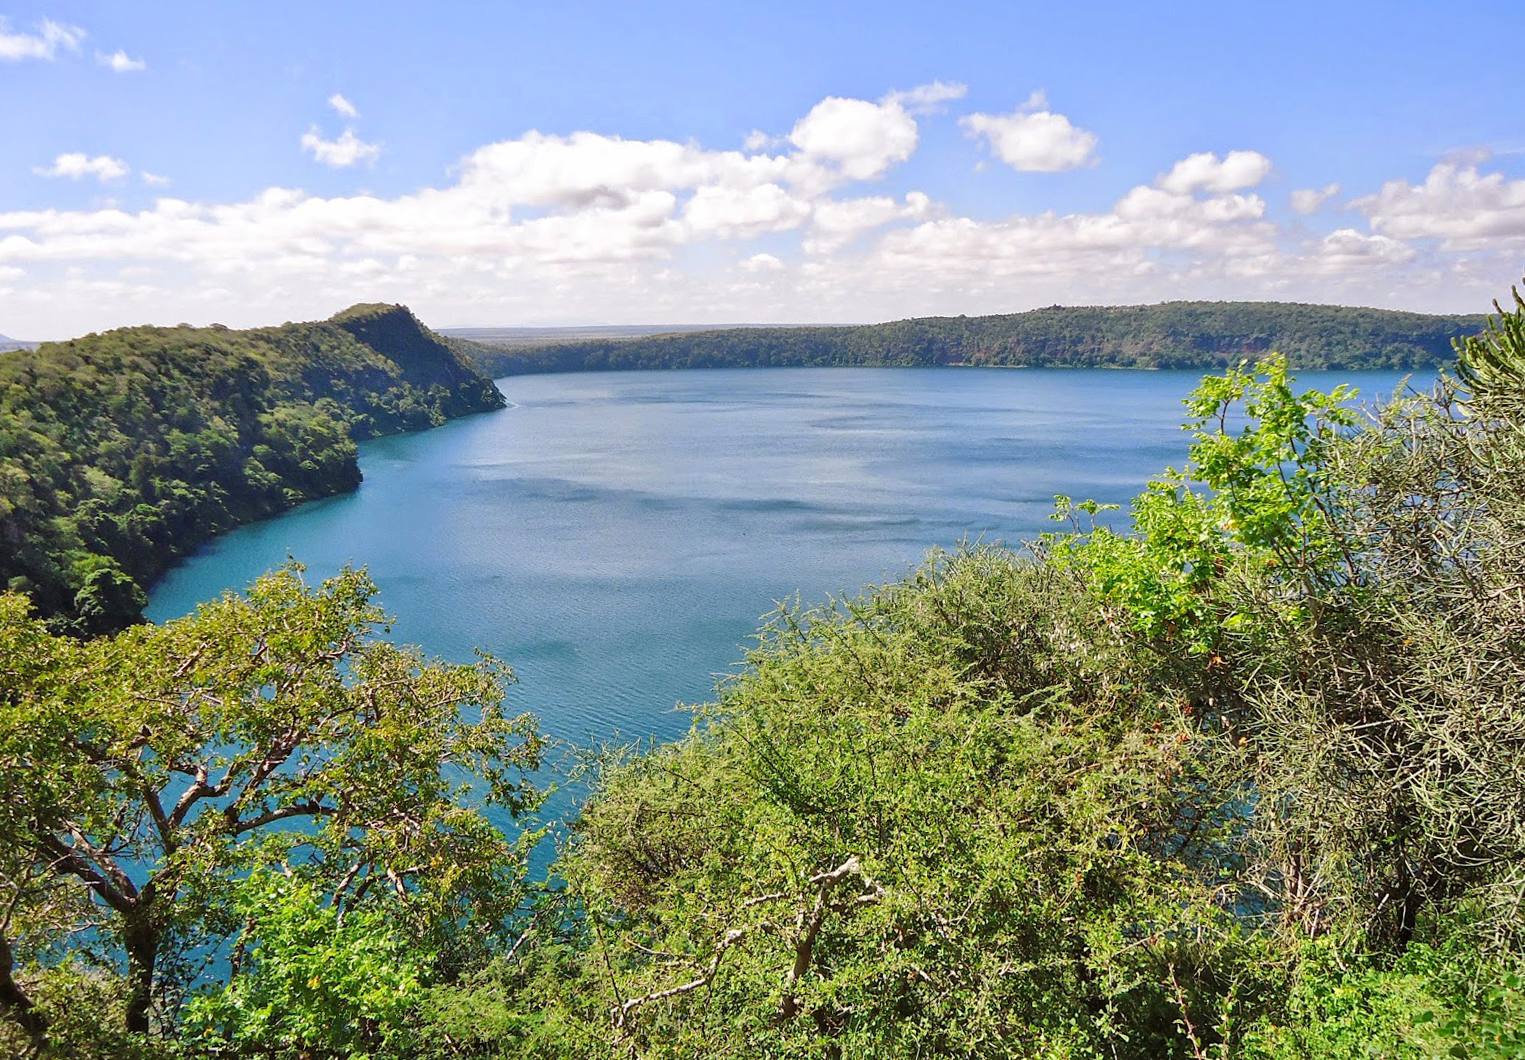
[[546, 336], [123, 450], [1169, 335], [8, 343]]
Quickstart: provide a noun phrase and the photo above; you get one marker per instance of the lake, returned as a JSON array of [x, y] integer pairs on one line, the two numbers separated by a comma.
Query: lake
[[616, 536]]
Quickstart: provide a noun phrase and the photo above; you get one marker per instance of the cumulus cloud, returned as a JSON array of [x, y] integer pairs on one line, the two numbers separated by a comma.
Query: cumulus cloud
[[537, 227], [76, 165], [1207, 172], [44, 43], [1153, 204], [1142, 227], [846, 139], [153, 179], [1311, 200], [120, 62], [1033, 138], [346, 150], [857, 139], [342, 106], [1462, 207]]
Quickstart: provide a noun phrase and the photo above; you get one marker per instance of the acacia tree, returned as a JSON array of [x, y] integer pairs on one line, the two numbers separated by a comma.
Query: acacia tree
[[142, 775]]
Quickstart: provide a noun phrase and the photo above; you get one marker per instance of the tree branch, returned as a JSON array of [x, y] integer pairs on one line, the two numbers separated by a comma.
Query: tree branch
[[120, 895], [296, 809], [621, 1013], [810, 927]]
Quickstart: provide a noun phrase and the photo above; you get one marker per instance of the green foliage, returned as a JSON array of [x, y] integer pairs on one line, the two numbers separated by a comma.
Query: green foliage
[[86, 1016], [1254, 497], [1431, 1002], [1492, 363], [1168, 335], [122, 451], [142, 775], [1342, 592], [310, 981]]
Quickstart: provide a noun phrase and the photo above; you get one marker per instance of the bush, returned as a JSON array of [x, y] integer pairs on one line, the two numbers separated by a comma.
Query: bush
[[310, 981]]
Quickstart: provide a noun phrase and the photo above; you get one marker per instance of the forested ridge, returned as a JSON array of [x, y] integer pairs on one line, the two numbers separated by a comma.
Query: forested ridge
[[123, 450], [1243, 777], [1168, 335]]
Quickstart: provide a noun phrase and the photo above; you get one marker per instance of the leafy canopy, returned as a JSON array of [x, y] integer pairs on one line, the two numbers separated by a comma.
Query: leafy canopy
[[143, 774]]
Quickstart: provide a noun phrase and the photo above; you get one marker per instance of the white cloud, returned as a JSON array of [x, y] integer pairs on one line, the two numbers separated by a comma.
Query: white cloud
[[154, 179], [928, 98], [590, 169], [731, 212], [343, 107], [842, 139], [347, 150], [835, 223], [1033, 138], [1207, 172], [1150, 204], [539, 227], [1311, 200], [43, 44], [76, 165], [858, 139], [1145, 225], [120, 62], [1345, 249], [1457, 204]]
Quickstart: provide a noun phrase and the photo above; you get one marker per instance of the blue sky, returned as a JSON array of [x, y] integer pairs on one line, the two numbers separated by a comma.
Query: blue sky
[[576, 163]]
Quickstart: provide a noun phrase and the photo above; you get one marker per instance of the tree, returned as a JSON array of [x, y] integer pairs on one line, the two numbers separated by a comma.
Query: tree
[[1492, 362], [1339, 601], [142, 774]]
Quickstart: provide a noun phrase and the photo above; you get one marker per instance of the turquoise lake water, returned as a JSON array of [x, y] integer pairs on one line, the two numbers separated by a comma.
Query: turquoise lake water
[[616, 536]]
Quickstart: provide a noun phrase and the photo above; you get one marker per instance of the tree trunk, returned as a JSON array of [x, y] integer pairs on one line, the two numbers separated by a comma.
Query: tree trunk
[[15, 1001], [141, 939]]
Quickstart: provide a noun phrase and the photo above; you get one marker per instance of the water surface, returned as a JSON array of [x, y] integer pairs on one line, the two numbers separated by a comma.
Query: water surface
[[615, 536]]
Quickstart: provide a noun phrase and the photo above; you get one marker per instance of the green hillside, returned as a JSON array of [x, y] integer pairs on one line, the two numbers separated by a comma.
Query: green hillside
[[123, 450], [1169, 335]]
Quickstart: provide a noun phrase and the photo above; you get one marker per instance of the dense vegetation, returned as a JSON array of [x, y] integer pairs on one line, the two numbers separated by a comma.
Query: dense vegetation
[[1169, 335], [1246, 779], [121, 451], [166, 789]]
